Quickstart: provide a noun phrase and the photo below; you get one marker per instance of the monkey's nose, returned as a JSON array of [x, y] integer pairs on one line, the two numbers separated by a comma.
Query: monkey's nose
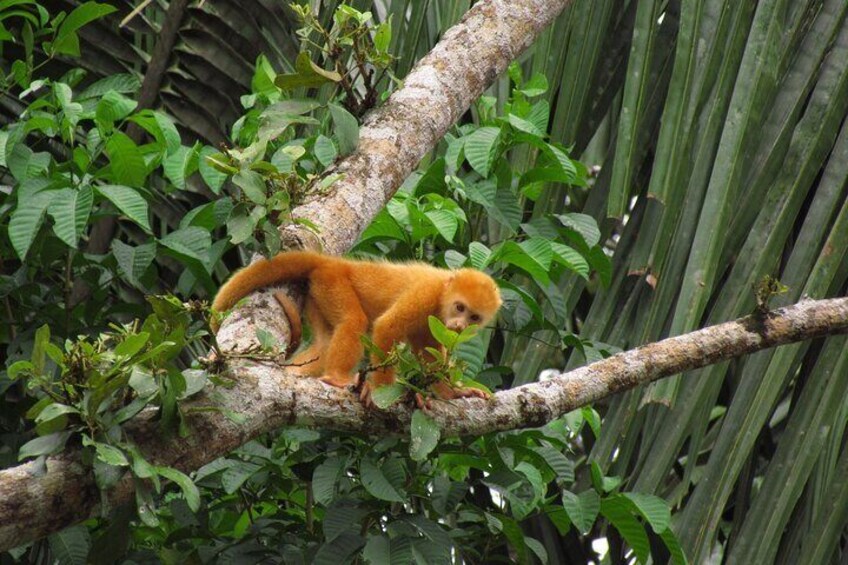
[[456, 327]]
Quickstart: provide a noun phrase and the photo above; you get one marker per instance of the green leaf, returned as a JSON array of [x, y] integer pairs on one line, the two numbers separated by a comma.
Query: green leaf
[[70, 210], [44, 445], [570, 258], [442, 334], [39, 348], [211, 176], [559, 463], [341, 518], [128, 201], [386, 395], [652, 508], [126, 161], [161, 128], [114, 107], [479, 254], [481, 149], [325, 479], [376, 483], [514, 254], [307, 74], [325, 150], [192, 495], [122, 82], [582, 509], [132, 344], [66, 41], [111, 455], [133, 261], [340, 550], [584, 225], [180, 165], [71, 545], [444, 221], [346, 129], [617, 511], [424, 435], [26, 220], [193, 242], [252, 184], [54, 410], [234, 477]]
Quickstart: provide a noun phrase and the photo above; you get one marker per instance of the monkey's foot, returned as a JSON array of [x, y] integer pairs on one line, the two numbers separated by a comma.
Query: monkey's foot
[[340, 381], [443, 391]]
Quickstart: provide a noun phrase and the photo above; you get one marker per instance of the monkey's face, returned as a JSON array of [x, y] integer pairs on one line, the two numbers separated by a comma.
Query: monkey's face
[[470, 298]]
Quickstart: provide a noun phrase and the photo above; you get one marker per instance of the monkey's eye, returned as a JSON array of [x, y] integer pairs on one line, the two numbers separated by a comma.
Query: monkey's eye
[[475, 318], [460, 307]]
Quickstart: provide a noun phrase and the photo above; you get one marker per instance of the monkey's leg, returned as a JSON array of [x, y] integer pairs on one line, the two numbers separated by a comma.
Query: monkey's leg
[[340, 307], [310, 361]]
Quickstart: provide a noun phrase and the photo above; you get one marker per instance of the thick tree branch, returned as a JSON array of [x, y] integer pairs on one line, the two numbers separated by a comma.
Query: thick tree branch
[[32, 505]]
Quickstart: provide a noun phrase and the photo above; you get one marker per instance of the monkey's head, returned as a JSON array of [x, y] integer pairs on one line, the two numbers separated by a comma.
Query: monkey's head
[[470, 297]]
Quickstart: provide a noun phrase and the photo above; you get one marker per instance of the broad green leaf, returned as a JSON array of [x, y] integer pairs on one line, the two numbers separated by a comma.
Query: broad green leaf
[[442, 334], [424, 435], [325, 479], [123, 83], [377, 550], [192, 242], [307, 74], [67, 42], [44, 445], [570, 258], [252, 184], [346, 129], [54, 410], [582, 509], [325, 150], [133, 261], [114, 107], [514, 254], [584, 225], [128, 201], [70, 210], [111, 455], [481, 149], [234, 477], [376, 483], [559, 463], [71, 545], [190, 491], [340, 550], [132, 344], [386, 395], [26, 221], [616, 510], [127, 165], [652, 508], [444, 221], [160, 127], [180, 164], [211, 176], [479, 254], [525, 126]]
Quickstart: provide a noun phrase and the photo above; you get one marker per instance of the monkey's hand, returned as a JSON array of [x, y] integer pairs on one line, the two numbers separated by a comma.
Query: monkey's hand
[[340, 381]]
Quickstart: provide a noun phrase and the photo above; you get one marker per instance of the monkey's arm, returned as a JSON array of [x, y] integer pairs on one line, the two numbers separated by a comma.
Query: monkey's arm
[[405, 318]]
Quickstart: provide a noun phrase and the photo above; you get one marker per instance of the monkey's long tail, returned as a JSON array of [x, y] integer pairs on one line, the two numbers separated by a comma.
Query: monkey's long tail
[[288, 266]]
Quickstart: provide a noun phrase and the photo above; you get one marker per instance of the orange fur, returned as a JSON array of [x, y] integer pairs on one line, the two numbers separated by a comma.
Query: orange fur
[[346, 298]]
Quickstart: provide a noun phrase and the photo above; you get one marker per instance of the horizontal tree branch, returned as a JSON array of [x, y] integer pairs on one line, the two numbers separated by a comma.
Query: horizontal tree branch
[[392, 141], [33, 504]]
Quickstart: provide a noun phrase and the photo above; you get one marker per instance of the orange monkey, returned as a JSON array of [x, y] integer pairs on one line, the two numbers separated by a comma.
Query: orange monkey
[[348, 297]]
